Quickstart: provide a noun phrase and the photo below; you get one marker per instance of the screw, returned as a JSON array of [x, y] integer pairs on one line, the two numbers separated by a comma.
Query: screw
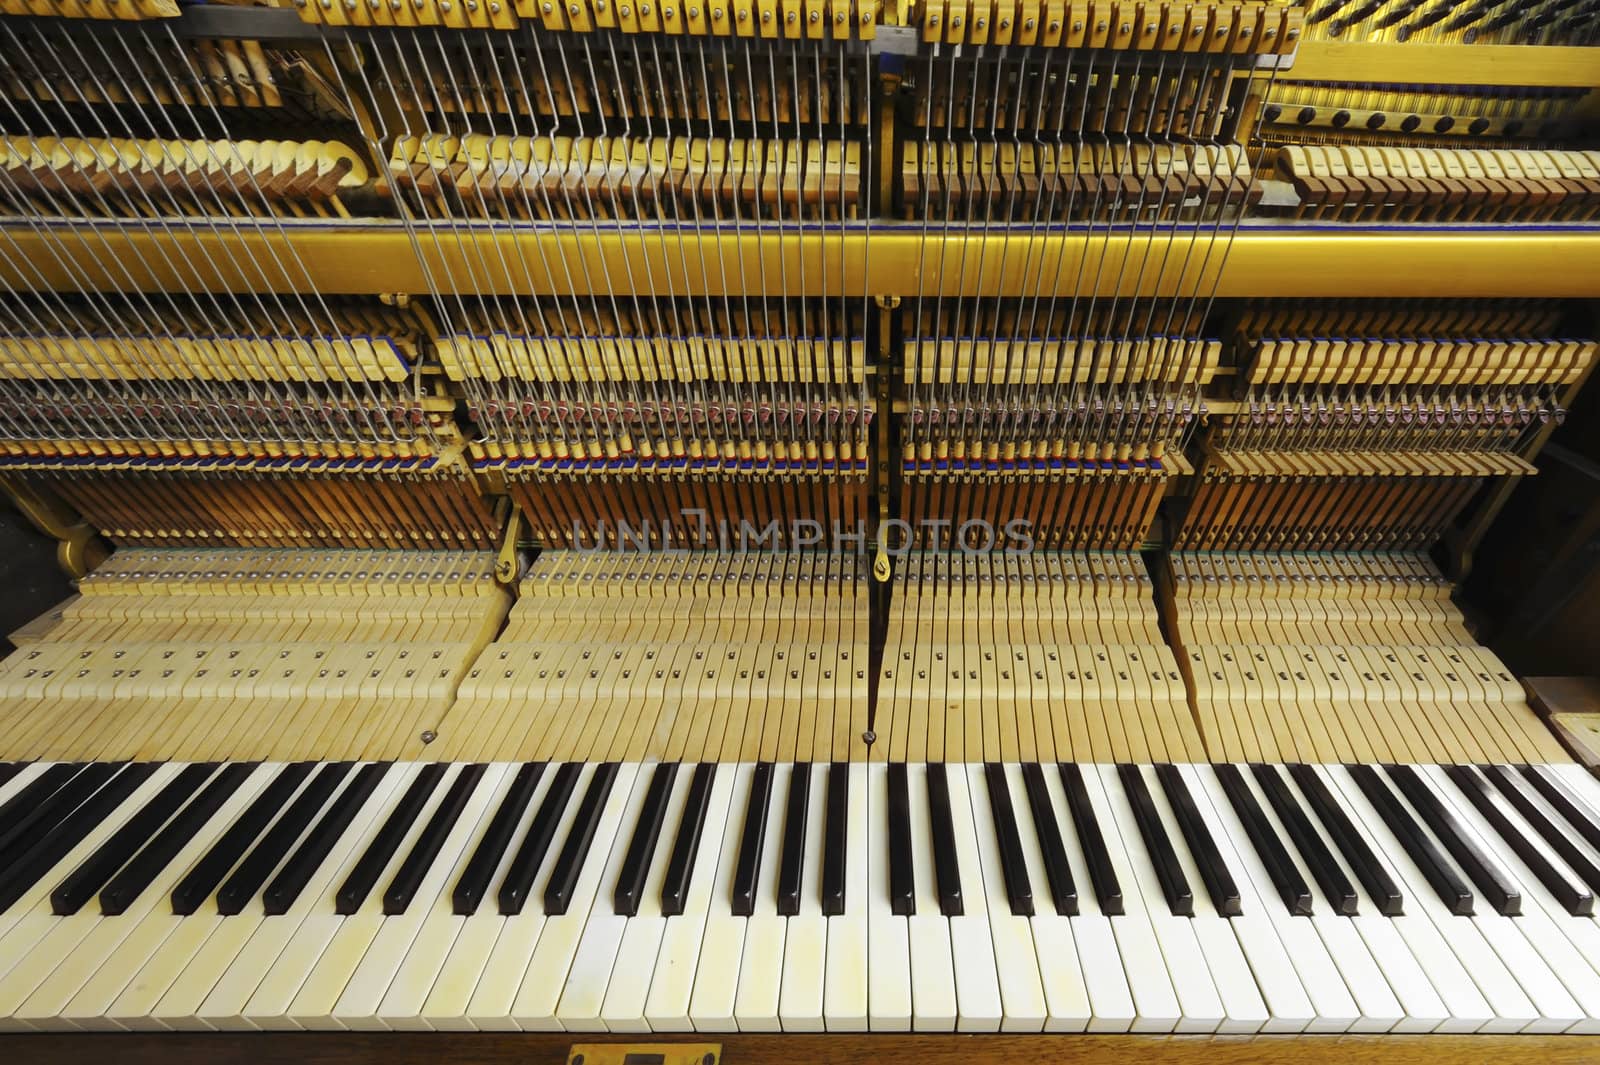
[[709, 1059], [428, 736], [577, 1059], [869, 736]]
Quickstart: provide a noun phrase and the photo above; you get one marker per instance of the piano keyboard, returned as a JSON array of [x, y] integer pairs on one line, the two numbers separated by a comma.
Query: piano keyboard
[[634, 897]]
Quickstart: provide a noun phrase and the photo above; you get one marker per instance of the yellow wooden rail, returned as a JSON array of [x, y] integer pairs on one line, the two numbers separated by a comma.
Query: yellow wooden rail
[[894, 260], [1447, 64]]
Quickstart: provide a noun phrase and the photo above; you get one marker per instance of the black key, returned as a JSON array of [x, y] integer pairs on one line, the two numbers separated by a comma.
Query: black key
[[269, 850], [1019, 891], [313, 850], [1568, 892], [748, 872], [514, 890], [1107, 892], [1280, 867], [642, 847], [836, 840], [33, 794], [403, 888], [1441, 876], [1495, 885], [902, 880], [792, 859], [1325, 868], [480, 868], [208, 872], [1157, 844], [680, 869], [564, 877], [375, 859], [80, 886], [1573, 809], [35, 823], [136, 876], [45, 851], [946, 866], [1352, 844], [9, 770], [1058, 870], [1213, 870], [1516, 791]]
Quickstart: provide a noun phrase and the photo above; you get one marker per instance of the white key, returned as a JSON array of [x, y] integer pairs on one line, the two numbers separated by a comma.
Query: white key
[[1198, 1000], [846, 984], [403, 1004], [448, 1003], [1512, 1008], [933, 975], [35, 939], [1289, 1010], [1243, 1008], [978, 1000], [1021, 991], [717, 966], [87, 980], [629, 986], [761, 963], [1380, 1009], [1149, 981], [1066, 997], [888, 942], [542, 984], [269, 1004], [1335, 1009], [805, 940], [676, 974]]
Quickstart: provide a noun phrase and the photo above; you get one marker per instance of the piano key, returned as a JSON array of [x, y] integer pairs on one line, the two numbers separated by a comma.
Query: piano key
[[422, 858], [1287, 882], [1198, 1003], [717, 963], [1158, 848], [805, 942], [1500, 892], [86, 880], [835, 850], [50, 810], [686, 846], [1107, 889], [641, 848], [381, 851], [1565, 801], [479, 872], [209, 872], [1573, 896], [575, 851], [1447, 884], [1052, 852], [690, 935], [1352, 845], [26, 789], [515, 889], [265, 856], [978, 994], [933, 979], [1202, 847], [28, 864], [945, 863], [845, 983], [9, 770], [791, 866], [1000, 828], [896, 860], [135, 877], [1518, 794], [1510, 1008], [752, 840], [761, 962], [889, 873], [1010, 933], [1314, 853], [313, 850]]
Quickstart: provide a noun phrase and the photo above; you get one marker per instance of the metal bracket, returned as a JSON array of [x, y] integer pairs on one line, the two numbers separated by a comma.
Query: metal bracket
[[508, 565], [645, 1054]]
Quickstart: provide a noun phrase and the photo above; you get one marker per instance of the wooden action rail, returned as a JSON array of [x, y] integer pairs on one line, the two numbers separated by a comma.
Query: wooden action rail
[[1031, 657], [1350, 657], [675, 657], [1448, 362], [1246, 28], [249, 655], [92, 9]]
